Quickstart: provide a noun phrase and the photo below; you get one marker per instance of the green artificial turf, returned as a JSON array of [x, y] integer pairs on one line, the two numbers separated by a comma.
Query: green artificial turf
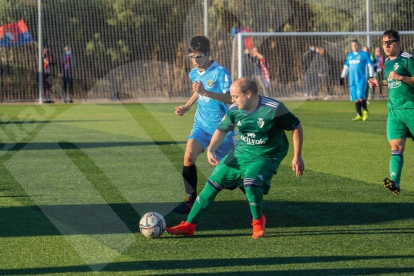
[[75, 180]]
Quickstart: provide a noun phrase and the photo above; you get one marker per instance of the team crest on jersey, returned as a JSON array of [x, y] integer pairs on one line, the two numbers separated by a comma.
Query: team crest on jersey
[[210, 83], [396, 66], [260, 122]]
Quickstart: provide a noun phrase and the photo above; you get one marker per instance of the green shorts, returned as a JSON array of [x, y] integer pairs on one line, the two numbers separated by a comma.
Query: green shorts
[[400, 124], [231, 171]]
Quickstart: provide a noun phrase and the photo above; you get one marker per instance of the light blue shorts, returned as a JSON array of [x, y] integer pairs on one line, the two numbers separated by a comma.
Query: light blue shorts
[[357, 90], [204, 139]]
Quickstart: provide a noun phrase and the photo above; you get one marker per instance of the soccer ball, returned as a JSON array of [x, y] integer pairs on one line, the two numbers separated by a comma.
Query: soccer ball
[[152, 225]]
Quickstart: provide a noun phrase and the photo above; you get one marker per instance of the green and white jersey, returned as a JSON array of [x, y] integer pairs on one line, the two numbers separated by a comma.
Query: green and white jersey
[[400, 94], [262, 131]]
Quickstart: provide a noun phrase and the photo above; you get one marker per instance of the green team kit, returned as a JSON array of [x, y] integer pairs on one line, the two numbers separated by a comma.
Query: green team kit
[[400, 122], [261, 147]]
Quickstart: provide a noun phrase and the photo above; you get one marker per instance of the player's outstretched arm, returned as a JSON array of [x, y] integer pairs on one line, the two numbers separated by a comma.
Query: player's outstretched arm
[[298, 166], [198, 87], [181, 110], [216, 140]]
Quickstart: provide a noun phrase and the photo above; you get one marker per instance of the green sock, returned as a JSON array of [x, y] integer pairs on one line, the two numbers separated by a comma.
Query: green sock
[[255, 198], [202, 203], [396, 164]]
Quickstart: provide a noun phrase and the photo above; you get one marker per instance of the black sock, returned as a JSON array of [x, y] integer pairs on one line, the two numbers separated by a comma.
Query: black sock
[[364, 105], [190, 180], [358, 108]]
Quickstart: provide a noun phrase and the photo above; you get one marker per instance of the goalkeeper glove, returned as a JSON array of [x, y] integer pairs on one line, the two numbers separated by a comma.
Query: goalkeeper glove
[[341, 81]]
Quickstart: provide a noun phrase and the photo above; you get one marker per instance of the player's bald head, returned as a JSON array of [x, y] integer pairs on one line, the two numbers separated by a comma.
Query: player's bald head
[[246, 84]]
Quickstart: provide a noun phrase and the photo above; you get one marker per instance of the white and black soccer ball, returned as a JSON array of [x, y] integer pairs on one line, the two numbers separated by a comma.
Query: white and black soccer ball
[[152, 225]]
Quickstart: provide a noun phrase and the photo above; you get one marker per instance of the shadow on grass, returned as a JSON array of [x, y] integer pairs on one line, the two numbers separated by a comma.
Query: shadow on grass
[[91, 145], [93, 219], [319, 272], [16, 196], [15, 122], [244, 263]]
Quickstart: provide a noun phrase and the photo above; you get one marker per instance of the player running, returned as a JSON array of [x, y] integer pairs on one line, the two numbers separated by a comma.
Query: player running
[[399, 72], [263, 144], [211, 87]]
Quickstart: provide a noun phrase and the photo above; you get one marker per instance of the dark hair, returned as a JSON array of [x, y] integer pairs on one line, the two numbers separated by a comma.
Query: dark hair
[[356, 41], [199, 43], [247, 84], [392, 33]]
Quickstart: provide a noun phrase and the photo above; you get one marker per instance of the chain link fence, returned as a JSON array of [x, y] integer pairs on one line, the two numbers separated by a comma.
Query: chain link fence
[[134, 50]]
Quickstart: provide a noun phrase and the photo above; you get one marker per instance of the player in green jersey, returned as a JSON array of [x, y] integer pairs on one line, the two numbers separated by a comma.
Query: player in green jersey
[[262, 145], [399, 72]]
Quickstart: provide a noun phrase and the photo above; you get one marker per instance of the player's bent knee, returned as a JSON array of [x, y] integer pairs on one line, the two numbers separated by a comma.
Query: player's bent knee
[[397, 145], [189, 160], [251, 183], [215, 185]]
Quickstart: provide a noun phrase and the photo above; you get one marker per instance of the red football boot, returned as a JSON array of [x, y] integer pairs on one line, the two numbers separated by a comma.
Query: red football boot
[[259, 228], [184, 228]]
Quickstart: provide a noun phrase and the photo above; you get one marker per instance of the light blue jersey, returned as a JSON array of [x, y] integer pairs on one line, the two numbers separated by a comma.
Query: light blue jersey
[[358, 73], [209, 112]]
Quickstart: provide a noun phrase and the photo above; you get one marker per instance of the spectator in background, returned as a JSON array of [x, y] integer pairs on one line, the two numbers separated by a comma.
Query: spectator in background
[[412, 53], [372, 58], [322, 66], [47, 75], [260, 72], [311, 75], [247, 40], [379, 62], [68, 69], [359, 66], [248, 66], [1, 80]]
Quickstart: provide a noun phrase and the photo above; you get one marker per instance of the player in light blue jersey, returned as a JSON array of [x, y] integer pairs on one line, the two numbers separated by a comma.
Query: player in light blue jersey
[[359, 66], [211, 91]]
